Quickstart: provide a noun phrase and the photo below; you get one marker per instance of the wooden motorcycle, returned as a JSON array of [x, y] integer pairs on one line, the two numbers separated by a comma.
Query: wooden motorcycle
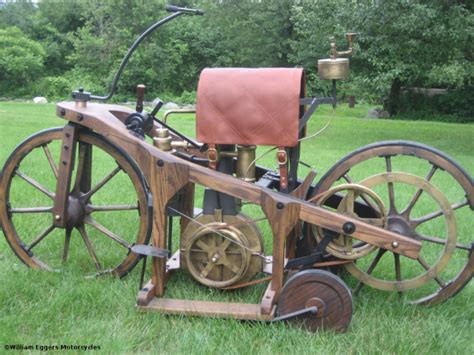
[[382, 205]]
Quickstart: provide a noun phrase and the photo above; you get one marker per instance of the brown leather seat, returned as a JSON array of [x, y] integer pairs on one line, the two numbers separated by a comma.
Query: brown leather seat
[[249, 106]]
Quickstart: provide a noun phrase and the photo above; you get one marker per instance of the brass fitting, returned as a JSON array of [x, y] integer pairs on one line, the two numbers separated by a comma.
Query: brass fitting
[[246, 162], [180, 144], [162, 140]]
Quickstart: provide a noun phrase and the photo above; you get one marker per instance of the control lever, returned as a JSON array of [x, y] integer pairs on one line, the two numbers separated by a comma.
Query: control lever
[[157, 108], [140, 97]]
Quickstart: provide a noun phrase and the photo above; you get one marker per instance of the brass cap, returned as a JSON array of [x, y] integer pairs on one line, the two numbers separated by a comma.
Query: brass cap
[[329, 69]]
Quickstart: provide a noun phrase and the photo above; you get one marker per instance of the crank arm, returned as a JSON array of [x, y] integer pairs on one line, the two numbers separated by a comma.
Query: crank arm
[[312, 309]]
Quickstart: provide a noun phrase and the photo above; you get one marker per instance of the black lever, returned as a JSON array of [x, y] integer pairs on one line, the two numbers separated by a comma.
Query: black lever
[[157, 108], [172, 8]]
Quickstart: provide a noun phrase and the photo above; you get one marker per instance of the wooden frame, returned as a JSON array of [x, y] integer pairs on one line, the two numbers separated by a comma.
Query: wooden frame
[[167, 174]]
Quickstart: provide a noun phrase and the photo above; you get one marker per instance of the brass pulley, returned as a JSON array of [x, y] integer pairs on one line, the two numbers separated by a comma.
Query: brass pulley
[[344, 246], [220, 252], [336, 67]]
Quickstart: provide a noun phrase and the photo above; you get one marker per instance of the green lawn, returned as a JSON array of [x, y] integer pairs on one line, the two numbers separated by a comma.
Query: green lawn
[[65, 308]]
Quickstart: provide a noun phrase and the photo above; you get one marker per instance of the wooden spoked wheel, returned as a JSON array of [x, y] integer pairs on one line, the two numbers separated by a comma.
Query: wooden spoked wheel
[[344, 246], [428, 198], [322, 289], [218, 255], [108, 208]]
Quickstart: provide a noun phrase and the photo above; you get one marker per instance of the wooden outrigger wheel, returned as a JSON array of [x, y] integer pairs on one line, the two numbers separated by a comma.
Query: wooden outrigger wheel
[[416, 208], [108, 204], [326, 292]]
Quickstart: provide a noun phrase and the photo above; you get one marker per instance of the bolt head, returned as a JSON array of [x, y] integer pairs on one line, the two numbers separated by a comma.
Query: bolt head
[[57, 217], [280, 205], [394, 245], [348, 228]]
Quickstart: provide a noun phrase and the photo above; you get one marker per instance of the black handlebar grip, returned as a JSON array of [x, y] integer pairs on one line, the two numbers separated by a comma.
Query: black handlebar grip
[[172, 8]]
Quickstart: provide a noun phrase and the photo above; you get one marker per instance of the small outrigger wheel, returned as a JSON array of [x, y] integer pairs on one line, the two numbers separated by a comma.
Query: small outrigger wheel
[[320, 289], [108, 208], [427, 195]]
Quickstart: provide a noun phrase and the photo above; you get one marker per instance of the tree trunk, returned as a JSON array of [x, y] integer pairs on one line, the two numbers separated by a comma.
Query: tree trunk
[[393, 102]]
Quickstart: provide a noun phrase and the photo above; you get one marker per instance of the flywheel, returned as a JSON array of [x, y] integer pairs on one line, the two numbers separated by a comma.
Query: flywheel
[[222, 253]]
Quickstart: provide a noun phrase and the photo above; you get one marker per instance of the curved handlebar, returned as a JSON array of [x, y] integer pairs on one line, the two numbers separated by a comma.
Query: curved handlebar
[[177, 11]]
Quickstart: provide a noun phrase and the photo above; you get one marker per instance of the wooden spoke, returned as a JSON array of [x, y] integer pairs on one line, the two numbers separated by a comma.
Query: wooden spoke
[[406, 212], [109, 208], [35, 184], [31, 209], [90, 249], [198, 250], [40, 237], [50, 160], [83, 174], [371, 268], [67, 239], [436, 214], [102, 183], [207, 269], [398, 271], [425, 265], [391, 192], [441, 241], [93, 223]]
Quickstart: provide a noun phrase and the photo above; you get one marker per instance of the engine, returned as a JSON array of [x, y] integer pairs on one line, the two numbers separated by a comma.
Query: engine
[[237, 110]]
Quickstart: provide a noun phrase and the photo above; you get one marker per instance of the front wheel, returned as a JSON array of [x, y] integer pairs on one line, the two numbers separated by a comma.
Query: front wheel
[[108, 205]]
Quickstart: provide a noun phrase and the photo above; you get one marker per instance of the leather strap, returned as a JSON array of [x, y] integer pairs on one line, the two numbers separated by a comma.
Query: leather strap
[[282, 158]]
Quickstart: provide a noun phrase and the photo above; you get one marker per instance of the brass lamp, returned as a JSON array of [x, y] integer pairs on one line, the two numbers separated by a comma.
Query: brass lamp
[[336, 67]]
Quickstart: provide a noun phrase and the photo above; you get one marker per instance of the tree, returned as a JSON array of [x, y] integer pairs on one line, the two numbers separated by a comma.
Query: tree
[[21, 60], [415, 43]]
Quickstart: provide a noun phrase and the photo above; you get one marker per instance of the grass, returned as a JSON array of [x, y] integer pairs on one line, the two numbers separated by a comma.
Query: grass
[[65, 308]]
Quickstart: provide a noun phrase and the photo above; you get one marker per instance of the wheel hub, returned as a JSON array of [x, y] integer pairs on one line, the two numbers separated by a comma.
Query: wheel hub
[[76, 212], [400, 225]]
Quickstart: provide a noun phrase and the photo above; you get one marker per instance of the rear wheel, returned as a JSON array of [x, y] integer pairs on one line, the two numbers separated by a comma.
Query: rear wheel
[[108, 206], [429, 198]]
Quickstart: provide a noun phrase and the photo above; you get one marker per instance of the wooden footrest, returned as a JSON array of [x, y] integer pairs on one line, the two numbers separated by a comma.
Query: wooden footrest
[[246, 311]]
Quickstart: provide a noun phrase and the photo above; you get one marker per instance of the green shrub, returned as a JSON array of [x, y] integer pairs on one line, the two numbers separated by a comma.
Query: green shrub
[[52, 87], [21, 62], [454, 106]]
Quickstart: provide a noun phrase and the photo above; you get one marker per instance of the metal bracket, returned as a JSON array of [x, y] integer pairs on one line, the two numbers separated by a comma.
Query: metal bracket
[[315, 256], [314, 103], [149, 250], [312, 309]]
